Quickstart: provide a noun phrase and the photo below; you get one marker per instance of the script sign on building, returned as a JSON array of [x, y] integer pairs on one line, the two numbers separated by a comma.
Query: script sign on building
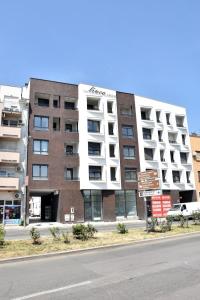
[[160, 205]]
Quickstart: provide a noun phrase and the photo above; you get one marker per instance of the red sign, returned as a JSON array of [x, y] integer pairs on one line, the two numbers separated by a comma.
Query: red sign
[[160, 205]]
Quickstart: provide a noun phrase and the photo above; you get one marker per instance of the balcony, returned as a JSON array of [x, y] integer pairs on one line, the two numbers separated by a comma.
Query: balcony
[[9, 183], [10, 132], [13, 110], [10, 157]]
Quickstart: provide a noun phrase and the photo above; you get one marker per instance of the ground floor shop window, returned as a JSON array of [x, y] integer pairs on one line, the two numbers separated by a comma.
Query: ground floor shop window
[[92, 205], [125, 203], [9, 212]]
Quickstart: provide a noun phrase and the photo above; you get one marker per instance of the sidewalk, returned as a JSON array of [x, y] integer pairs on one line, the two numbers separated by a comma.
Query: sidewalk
[[61, 225]]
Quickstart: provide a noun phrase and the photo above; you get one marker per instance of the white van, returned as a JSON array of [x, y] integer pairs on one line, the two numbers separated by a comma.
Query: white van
[[185, 209]]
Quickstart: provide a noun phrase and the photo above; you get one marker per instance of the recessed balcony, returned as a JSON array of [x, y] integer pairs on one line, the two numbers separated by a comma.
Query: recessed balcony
[[10, 132], [9, 183]]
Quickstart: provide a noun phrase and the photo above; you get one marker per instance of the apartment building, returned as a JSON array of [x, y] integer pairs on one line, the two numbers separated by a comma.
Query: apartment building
[[164, 145], [195, 144], [13, 152], [83, 155]]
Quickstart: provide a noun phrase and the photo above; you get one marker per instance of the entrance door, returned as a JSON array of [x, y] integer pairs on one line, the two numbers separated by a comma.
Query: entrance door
[[1, 214], [92, 205]]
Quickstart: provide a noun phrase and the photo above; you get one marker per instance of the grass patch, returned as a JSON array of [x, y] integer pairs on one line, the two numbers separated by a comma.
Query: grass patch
[[25, 248]]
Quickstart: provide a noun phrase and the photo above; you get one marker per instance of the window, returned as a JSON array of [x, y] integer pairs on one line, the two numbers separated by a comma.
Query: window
[[162, 158], [110, 107], [125, 203], [172, 156], [112, 150], [69, 150], [113, 174], [43, 102], [130, 174], [160, 136], [179, 121], [92, 104], [68, 174], [69, 105], [146, 133], [148, 153], [94, 149], [129, 152], [56, 101], [145, 113], [94, 173], [41, 123], [168, 118], [183, 139], [40, 172], [93, 126], [188, 176], [126, 111], [110, 128], [164, 175], [68, 127], [176, 176], [56, 124], [40, 147], [92, 205], [199, 176], [158, 116], [127, 131], [71, 127], [183, 157]]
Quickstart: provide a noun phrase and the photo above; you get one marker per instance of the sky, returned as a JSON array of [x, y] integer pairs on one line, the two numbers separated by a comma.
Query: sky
[[147, 47]]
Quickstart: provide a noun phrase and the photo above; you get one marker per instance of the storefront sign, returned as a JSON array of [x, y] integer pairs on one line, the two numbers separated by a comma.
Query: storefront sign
[[98, 92], [150, 193], [160, 205]]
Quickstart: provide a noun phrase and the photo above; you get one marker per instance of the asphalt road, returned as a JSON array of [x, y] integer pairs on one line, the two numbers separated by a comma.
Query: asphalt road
[[23, 233], [165, 269]]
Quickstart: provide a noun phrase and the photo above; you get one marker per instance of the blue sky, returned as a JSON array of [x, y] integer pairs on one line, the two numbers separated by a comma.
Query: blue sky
[[147, 47]]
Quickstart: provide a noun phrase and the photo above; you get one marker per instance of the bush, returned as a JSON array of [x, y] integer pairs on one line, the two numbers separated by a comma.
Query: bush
[[35, 236], [2, 235], [65, 236], [196, 217], [183, 221], [121, 228], [55, 232], [169, 220], [152, 225], [83, 232]]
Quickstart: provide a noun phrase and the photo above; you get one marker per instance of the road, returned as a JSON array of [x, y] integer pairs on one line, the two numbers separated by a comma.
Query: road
[[23, 233], [162, 270]]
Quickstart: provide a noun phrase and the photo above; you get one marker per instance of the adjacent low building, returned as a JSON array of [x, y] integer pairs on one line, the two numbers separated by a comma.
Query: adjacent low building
[[195, 144]]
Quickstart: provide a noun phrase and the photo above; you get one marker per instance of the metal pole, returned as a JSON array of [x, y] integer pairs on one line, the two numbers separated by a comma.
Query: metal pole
[[145, 212]]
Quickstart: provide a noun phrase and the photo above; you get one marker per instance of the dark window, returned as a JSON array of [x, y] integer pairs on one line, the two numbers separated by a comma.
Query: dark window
[[158, 116], [199, 176], [148, 153], [145, 114], [92, 205], [111, 128], [183, 157], [69, 150], [125, 203], [162, 155], [179, 121], [188, 176], [94, 172], [40, 147], [93, 126], [113, 174], [176, 176], [41, 123], [129, 152], [160, 136], [40, 172], [68, 174], [69, 105], [43, 102], [146, 133], [94, 149], [168, 118], [183, 139], [130, 174], [55, 103], [127, 131], [110, 107], [172, 156], [164, 176], [92, 104], [112, 150], [68, 127], [56, 124]]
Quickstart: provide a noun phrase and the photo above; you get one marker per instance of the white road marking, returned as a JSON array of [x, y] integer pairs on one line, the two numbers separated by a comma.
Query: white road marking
[[67, 287]]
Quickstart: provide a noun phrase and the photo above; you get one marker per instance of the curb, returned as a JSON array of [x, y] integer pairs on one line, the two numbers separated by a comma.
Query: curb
[[76, 251]]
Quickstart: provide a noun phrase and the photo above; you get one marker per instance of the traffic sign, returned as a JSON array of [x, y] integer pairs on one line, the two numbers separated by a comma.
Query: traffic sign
[[150, 193], [148, 175], [149, 184]]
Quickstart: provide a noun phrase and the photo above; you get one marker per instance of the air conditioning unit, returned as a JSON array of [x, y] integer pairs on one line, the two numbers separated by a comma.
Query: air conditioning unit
[[20, 121], [19, 168]]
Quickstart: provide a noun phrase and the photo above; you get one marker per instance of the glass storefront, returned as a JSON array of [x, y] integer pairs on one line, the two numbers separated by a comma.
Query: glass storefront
[[125, 203], [92, 205], [10, 212]]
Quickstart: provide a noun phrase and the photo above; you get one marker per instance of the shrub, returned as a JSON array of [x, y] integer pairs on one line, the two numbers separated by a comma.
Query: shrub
[[35, 236], [121, 228], [55, 232], [183, 221], [83, 232], [196, 217], [2, 235], [65, 236], [169, 220], [152, 225]]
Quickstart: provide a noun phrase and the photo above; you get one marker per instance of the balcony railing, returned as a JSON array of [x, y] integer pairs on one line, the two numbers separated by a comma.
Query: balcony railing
[[9, 183], [9, 157], [10, 132]]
